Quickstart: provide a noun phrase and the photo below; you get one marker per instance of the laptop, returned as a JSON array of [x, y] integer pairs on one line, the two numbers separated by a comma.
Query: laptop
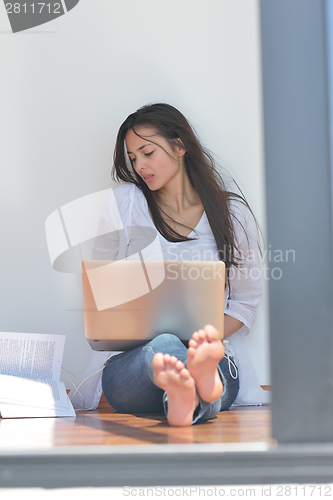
[[129, 302]]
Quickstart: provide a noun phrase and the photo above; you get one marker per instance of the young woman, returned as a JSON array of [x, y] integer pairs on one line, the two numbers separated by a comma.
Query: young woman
[[172, 185]]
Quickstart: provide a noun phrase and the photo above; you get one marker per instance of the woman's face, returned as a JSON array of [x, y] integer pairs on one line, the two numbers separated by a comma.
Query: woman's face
[[156, 162]]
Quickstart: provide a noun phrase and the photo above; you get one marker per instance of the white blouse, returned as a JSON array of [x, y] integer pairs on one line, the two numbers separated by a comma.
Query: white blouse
[[242, 297]]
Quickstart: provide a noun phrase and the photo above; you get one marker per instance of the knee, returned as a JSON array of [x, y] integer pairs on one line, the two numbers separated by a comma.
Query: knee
[[163, 340]]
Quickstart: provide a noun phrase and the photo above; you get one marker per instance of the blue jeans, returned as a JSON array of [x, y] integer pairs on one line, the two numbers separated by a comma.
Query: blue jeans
[[129, 387]]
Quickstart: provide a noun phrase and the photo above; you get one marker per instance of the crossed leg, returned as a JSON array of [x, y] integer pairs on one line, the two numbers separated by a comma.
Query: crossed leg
[[201, 376]]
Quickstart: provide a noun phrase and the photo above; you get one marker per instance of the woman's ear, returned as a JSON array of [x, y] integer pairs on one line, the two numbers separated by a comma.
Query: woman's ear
[[180, 148]]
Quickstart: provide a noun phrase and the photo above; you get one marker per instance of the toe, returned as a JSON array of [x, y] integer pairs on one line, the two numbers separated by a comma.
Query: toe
[[185, 374], [211, 332], [202, 334], [195, 336], [158, 361], [191, 352], [193, 343], [167, 358], [173, 360], [179, 365]]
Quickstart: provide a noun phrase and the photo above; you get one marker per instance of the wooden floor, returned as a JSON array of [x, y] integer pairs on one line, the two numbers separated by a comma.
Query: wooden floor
[[106, 427]]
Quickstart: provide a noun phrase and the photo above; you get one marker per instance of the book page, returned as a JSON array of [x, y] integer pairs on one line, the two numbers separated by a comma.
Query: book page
[[31, 355], [42, 393], [8, 410]]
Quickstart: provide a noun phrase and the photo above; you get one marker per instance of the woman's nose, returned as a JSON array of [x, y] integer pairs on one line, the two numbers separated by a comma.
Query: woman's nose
[[140, 164]]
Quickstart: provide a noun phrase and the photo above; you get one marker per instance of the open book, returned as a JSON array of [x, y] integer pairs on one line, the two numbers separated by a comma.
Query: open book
[[30, 366]]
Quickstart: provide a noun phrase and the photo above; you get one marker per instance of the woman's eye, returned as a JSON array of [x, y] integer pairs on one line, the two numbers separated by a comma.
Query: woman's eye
[[132, 160], [148, 154]]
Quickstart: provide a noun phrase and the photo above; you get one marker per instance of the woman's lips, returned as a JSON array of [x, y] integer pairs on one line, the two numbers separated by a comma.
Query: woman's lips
[[148, 178]]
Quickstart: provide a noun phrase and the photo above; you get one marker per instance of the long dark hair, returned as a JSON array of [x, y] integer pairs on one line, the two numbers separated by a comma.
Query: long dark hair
[[168, 122]]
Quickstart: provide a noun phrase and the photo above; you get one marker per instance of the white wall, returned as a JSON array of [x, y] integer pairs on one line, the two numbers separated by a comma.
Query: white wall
[[65, 88]]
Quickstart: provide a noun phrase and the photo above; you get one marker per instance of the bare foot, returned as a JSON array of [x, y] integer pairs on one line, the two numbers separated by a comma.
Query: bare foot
[[203, 355], [171, 375]]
